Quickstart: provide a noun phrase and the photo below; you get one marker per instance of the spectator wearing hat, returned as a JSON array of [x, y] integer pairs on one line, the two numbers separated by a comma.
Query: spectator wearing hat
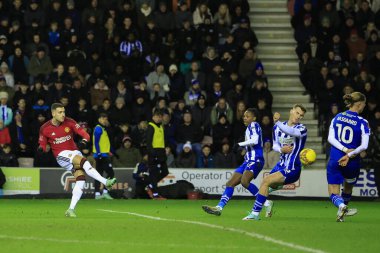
[[101, 149], [6, 118], [188, 131], [182, 13], [5, 88], [191, 96], [177, 83], [221, 107], [155, 139], [245, 33], [206, 159], [186, 158], [221, 131], [195, 73], [201, 115], [40, 65], [127, 156], [270, 156], [224, 158]]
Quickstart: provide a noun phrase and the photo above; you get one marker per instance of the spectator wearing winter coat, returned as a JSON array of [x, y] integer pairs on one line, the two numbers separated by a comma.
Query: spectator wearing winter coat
[[221, 107]]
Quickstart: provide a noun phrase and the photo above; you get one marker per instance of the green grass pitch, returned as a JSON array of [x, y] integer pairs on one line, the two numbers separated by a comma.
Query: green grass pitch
[[182, 226]]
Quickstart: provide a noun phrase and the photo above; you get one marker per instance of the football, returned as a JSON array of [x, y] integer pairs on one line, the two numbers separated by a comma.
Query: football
[[308, 156]]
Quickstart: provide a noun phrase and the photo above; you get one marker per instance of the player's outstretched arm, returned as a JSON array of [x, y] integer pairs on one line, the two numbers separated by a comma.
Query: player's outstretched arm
[[290, 130]]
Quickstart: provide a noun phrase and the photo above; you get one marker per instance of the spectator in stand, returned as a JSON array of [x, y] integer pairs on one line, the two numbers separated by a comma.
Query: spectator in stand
[[304, 31], [235, 95], [6, 118], [127, 156], [270, 156], [326, 97], [170, 161], [266, 126], [177, 83], [7, 158], [9, 78], [120, 113], [200, 14], [105, 107], [138, 135], [164, 18], [356, 44], [373, 44], [18, 65], [374, 66], [224, 158], [34, 12], [330, 14], [222, 107], [141, 109], [182, 14], [245, 33], [248, 63], [98, 93], [206, 159], [188, 131], [40, 65], [201, 115], [363, 16], [23, 92], [20, 135], [221, 131], [186, 158], [191, 96], [257, 91], [195, 73], [258, 73]]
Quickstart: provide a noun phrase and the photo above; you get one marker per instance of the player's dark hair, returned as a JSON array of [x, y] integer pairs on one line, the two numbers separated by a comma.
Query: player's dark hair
[[253, 111], [351, 99], [54, 106], [300, 106]]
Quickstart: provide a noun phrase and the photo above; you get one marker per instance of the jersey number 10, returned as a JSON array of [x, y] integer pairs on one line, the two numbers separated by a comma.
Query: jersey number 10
[[345, 134]]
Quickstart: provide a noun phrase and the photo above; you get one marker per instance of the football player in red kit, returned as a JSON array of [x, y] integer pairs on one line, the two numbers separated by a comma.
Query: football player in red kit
[[58, 135]]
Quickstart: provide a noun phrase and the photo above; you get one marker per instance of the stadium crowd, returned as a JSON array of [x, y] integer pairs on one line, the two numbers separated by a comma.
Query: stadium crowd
[[193, 59]]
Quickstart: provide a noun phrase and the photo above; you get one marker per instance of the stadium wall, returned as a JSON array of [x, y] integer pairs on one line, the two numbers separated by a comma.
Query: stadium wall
[[55, 181]]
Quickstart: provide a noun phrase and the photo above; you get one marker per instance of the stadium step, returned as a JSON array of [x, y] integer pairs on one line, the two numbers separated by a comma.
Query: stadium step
[[270, 18], [281, 65], [257, 4]]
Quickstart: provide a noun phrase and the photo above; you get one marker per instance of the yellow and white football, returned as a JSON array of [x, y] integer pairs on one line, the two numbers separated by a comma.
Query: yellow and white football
[[308, 156]]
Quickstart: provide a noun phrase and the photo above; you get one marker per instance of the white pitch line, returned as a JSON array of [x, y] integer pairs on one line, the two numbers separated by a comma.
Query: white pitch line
[[236, 230], [133, 244]]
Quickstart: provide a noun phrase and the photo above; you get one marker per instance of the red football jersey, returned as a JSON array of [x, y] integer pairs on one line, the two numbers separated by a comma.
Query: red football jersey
[[61, 137]]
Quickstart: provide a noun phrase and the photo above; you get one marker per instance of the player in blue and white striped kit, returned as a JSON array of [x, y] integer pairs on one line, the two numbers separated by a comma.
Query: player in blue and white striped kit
[[289, 138], [250, 168], [348, 135]]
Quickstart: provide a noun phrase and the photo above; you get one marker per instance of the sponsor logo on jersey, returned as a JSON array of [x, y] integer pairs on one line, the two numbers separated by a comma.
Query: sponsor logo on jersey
[[62, 139], [286, 140], [52, 134], [67, 129]]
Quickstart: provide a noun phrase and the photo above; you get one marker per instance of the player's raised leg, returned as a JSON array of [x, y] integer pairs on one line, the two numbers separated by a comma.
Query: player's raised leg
[[82, 162], [226, 196], [338, 201]]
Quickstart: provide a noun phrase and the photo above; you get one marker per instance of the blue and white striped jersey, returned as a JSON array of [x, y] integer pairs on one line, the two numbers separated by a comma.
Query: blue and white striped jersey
[[347, 128], [280, 138], [254, 151]]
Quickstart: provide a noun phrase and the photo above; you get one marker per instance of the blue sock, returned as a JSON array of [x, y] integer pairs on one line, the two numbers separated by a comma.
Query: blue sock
[[227, 194], [346, 197], [253, 189], [260, 200], [336, 200]]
